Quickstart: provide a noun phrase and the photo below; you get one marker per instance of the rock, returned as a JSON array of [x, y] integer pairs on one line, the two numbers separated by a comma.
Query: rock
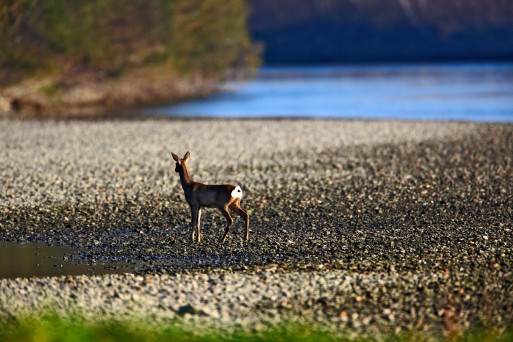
[[191, 310]]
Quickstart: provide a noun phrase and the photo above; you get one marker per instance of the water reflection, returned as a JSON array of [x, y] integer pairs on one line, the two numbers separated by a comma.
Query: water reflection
[[40, 260]]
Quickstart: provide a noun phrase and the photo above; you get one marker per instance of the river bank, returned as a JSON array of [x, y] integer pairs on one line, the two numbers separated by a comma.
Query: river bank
[[366, 226], [94, 94]]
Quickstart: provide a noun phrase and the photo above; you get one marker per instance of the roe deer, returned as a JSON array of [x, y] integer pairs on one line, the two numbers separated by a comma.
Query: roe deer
[[198, 195]]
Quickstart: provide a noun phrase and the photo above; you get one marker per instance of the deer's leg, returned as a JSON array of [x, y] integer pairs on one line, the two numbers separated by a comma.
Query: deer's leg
[[244, 215], [198, 225], [229, 221], [194, 219]]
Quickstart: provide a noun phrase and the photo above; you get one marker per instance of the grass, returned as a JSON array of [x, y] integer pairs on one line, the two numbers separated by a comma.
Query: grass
[[51, 89], [52, 327]]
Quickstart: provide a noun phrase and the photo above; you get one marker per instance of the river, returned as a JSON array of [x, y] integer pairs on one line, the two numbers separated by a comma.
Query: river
[[466, 92]]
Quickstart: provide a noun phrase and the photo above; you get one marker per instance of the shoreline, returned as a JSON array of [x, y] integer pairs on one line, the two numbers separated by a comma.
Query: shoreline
[[90, 95], [400, 223]]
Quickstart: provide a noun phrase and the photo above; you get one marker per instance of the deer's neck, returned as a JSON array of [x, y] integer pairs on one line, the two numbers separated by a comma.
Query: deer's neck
[[185, 180]]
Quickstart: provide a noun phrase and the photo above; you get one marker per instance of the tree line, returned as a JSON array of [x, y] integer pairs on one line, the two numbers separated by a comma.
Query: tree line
[[205, 37]]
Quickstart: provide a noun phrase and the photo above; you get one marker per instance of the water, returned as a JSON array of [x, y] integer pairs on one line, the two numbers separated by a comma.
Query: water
[[41, 260], [468, 92]]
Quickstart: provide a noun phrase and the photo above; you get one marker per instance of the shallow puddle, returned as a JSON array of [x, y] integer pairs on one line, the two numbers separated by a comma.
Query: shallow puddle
[[42, 260]]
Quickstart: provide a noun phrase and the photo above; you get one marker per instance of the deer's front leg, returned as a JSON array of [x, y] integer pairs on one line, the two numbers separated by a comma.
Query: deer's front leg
[[194, 220], [198, 224]]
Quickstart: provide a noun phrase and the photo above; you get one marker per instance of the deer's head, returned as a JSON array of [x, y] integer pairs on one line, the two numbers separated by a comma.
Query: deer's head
[[180, 163]]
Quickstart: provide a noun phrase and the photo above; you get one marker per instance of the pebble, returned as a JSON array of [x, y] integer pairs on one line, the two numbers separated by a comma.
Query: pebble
[[367, 226]]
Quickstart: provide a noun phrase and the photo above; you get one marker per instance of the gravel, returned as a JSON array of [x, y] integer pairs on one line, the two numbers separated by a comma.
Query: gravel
[[368, 226]]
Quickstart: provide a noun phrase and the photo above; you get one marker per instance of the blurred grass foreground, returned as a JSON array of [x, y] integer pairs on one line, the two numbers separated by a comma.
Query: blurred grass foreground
[[67, 57], [52, 327]]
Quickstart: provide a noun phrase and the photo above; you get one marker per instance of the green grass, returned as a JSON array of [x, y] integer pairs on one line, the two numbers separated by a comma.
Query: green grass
[[50, 90], [51, 327]]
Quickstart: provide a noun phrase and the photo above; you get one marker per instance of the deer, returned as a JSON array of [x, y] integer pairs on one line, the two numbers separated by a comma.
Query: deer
[[199, 195]]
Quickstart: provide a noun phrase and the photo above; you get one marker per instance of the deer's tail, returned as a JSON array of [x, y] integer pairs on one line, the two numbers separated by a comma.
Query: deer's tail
[[237, 192]]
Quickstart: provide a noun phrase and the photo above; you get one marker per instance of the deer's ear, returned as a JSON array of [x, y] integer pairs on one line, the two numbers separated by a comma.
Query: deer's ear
[[175, 157], [186, 157]]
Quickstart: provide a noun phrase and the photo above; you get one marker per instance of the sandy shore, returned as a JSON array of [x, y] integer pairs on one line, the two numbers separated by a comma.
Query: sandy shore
[[95, 95], [372, 226]]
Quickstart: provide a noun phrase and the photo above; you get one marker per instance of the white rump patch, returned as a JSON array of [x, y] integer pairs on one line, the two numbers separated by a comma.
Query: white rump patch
[[237, 192]]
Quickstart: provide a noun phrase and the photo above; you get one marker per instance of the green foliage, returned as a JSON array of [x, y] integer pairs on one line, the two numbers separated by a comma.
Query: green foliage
[[204, 34], [189, 36]]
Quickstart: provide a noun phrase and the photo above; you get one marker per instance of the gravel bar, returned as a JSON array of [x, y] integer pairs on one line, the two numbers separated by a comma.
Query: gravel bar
[[365, 226]]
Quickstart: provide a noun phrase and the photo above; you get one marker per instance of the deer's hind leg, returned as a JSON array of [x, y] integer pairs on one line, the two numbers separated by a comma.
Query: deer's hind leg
[[229, 221], [235, 206]]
